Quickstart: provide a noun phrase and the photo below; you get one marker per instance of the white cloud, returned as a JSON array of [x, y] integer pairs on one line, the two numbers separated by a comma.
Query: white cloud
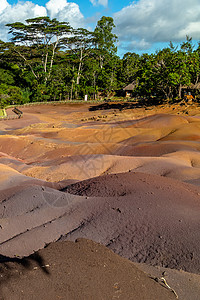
[[59, 9], [156, 21], [55, 6], [66, 12], [4, 4], [18, 13], [192, 29], [99, 2], [39, 11]]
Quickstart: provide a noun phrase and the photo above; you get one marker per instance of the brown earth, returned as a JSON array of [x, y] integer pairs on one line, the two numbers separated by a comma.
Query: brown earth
[[81, 270], [118, 177]]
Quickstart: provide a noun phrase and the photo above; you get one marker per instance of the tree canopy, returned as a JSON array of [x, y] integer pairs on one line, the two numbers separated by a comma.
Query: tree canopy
[[49, 60]]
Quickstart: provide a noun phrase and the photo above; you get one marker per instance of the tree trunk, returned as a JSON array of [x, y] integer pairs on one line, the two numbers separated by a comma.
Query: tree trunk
[[45, 64], [169, 92], [52, 58], [197, 79], [71, 96], [79, 68], [101, 61], [165, 93], [27, 63], [94, 83], [179, 90]]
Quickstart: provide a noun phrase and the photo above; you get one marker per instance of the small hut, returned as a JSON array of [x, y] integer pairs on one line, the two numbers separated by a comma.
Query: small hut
[[130, 88]]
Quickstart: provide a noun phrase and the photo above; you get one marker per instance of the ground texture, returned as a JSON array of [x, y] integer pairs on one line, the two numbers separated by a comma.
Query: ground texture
[[125, 178]]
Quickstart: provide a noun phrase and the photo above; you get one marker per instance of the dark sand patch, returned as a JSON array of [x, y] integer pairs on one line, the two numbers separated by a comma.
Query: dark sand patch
[[83, 270]]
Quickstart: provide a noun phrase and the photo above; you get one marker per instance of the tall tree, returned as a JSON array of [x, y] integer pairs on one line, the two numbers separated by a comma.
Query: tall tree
[[105, 39], [194, 66], [145, 75], [36, 42], [80, 43], [130, 66]]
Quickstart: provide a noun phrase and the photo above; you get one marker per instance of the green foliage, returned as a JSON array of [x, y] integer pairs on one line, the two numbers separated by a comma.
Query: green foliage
[[26, 95], [10, 95], [104, 38], [131, 63], [49, 60], [6, 77], [43, 37]]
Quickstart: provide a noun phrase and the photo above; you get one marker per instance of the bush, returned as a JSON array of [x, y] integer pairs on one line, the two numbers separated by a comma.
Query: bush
[[10, 95]]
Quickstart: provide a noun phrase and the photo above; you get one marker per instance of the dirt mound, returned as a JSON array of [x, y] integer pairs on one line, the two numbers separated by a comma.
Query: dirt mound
[[81, 270], [150, 218], [153, 149], [160, 120], [145, 218], [123, 184]]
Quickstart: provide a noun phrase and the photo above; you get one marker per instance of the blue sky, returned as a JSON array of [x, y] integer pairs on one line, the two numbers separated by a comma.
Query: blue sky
[[141, 26]]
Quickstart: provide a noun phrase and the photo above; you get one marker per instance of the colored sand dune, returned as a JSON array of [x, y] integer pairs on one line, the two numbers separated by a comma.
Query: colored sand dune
[[125, 181]]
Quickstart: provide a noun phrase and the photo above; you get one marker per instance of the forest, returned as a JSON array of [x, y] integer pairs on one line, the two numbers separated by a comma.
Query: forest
[[48, 60]]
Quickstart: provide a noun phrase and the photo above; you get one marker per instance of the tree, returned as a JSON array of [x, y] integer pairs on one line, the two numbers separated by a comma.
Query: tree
[[91, 70], [161, 71], [104, 38], [194, 66], [130, 67], [180, 75], [80, 44], [145, 75], [36, 43]]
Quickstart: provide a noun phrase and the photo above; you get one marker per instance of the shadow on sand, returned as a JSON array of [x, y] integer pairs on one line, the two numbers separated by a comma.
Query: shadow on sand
[[118, 105], [12, 267]]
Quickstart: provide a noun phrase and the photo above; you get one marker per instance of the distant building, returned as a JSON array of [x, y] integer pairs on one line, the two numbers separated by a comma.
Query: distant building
[[129, 89]]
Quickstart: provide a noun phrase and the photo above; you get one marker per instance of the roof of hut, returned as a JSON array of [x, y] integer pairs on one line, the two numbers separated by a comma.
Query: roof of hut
[[192, 86], [130, 87]]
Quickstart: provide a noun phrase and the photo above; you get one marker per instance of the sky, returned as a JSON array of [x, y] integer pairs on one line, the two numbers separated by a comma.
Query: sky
[[142, 26]]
